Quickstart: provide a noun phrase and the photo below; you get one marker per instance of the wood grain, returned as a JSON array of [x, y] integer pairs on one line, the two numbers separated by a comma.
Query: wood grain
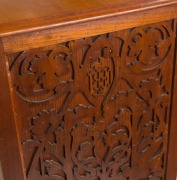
[[23, 16], [172, 157], [86, 28], [98, 107], [9, 149], [88, 89]]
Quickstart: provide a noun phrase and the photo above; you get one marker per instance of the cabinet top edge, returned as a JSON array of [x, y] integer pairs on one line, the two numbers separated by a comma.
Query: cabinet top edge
[[17, 16]]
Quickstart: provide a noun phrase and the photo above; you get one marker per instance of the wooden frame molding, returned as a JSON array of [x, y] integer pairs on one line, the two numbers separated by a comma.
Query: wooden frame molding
[[87, 28], [8, 135], [172, 157]]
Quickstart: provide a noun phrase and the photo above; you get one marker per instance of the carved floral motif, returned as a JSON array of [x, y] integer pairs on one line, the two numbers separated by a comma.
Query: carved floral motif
[[113, 123], [146, 53], [43, 71]]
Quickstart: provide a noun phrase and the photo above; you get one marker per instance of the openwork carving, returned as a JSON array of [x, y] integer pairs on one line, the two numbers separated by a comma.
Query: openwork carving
[[96, 108], [146, 53], [42, 74]]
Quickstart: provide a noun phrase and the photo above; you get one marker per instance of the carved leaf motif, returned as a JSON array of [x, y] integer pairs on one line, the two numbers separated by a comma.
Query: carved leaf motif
[[146, 53], [49, 68], [42, 124], [54, 170]]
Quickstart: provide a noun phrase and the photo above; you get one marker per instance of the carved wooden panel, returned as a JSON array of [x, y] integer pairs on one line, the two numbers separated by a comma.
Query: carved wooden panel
[[96, 108]]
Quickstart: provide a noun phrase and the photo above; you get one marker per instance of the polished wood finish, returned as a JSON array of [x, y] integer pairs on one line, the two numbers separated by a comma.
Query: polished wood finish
[[22, 16], [9, 149], [88, 89], [87, 28]]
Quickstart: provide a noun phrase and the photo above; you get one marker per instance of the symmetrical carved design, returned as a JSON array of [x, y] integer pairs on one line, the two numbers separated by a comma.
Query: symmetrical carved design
[[110, 96]]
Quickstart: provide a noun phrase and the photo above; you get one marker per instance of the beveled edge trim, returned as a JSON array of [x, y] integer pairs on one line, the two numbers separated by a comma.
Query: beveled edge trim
[[51, 36], [55, 22]]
